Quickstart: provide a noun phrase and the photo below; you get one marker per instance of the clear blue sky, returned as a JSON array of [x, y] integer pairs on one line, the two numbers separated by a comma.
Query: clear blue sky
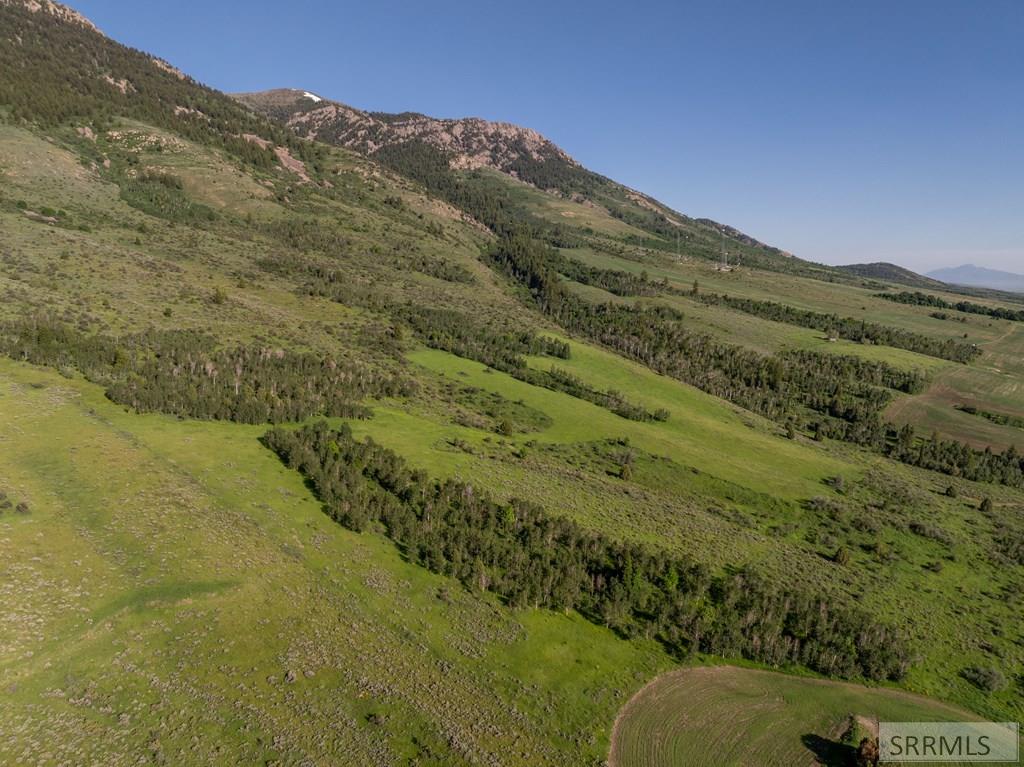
[[840, 131]]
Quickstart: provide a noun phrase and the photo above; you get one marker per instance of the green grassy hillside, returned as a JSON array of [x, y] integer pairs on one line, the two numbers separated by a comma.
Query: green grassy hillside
[[175, 594], [170, 263]]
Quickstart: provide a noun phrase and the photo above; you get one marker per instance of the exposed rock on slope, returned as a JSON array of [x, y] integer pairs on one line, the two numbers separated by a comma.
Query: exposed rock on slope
[[468, 142], [61, 12]]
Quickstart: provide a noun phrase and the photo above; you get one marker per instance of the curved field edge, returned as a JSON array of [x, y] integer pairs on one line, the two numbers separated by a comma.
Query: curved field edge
[[712, 716]]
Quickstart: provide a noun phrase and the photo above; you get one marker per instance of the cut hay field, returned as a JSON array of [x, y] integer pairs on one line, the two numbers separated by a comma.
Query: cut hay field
[[722, 716], [995, 383]]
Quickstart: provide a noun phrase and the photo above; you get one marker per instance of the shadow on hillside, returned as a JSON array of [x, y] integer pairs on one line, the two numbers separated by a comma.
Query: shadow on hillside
[[830, 753]]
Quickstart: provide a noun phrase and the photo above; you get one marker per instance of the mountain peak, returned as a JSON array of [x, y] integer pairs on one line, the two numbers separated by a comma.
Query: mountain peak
[[57, 10], [469, 142], [980, 277]]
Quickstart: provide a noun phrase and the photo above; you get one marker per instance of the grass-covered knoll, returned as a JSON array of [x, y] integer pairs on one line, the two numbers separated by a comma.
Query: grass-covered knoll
[[723, 715], [760, 459]]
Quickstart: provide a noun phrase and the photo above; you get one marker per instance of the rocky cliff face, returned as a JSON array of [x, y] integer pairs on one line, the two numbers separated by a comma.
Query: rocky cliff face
[[61, 12], [468, 142]]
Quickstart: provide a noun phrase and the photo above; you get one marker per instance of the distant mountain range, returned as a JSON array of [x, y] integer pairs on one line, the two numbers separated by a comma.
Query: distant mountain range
[[980, 277]]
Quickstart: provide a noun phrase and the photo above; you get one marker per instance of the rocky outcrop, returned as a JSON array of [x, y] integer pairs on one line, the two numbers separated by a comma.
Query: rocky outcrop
[[468, 142], [61, 12]]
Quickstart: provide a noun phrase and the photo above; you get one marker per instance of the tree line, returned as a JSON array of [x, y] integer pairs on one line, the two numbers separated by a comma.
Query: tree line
[[1003, 419], [459, 334], [531, 558], [183, 373], [850, 328], [917, 298], [624, 283], [454, 332], [845, 394], [657, 336]]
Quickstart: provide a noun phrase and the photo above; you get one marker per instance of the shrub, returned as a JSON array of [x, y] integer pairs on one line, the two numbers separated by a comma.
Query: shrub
[[984, 678]]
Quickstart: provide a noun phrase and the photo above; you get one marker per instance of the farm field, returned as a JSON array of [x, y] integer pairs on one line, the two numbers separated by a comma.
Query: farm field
[[722, 716]]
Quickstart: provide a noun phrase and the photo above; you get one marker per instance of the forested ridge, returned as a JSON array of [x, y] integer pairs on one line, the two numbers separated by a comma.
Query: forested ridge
[[533, 559], [58, 72]]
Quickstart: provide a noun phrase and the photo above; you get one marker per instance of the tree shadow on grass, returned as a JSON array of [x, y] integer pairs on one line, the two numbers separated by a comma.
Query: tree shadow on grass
[[830, 753]]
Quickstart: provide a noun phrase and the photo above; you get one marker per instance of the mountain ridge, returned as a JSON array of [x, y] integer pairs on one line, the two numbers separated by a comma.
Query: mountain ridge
[[472, 142], [979, 277]]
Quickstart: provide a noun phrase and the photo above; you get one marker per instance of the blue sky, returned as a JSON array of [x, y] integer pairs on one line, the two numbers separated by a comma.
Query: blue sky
[[844, 132]]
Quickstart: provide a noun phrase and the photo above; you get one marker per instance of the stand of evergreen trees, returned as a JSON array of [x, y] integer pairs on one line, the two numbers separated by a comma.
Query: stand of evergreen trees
[[847, 394], [184, 374], [657, 336], [454, 332], [463, 336], [849, 328], [955, 458], [534, 559], [924, 299], [1003, 419], [55, 72], [615, 281]]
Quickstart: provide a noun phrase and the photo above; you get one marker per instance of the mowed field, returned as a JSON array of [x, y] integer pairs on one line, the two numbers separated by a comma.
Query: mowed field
[[724, 716]]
